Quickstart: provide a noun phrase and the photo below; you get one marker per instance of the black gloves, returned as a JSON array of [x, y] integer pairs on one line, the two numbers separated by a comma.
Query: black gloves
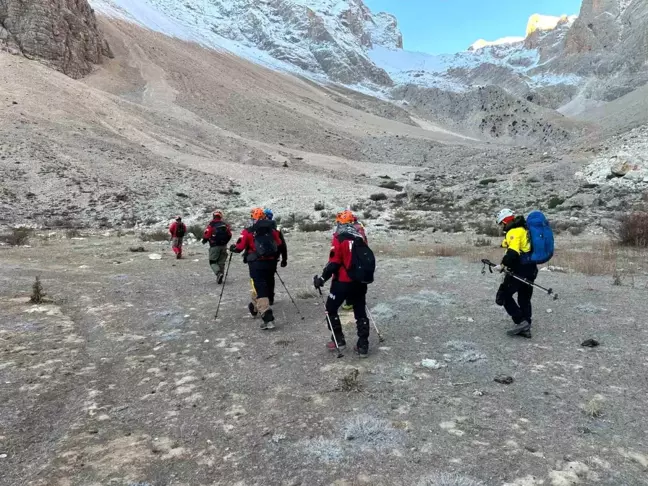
[[232, 248], [204, 241], [284, 263], [318, 282]]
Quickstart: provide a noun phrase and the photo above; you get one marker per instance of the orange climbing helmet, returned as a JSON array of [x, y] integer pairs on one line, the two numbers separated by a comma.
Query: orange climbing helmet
[[257, 213], [345, 217]]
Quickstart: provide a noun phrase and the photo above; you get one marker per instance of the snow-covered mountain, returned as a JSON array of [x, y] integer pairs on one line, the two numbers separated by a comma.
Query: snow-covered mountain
[[559, 60]]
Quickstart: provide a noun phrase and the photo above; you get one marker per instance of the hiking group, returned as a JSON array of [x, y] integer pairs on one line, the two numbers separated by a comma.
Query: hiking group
[[351, 265]]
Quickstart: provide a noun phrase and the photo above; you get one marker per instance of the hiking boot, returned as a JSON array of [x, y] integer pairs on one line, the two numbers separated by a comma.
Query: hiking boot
[[526, 334], [252, 310], [178, 256], [267, 318], [219, 278], [363, 352], [331, 345], [523, 328]]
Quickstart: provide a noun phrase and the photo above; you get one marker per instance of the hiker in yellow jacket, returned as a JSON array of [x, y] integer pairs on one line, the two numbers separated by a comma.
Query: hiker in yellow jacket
[[517, 245]]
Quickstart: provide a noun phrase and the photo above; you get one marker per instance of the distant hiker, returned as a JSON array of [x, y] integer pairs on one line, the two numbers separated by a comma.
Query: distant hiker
[[261, 243], [352, 265], [342, 220], [283, 249], [178, 230], [516, 259], [218, 234]]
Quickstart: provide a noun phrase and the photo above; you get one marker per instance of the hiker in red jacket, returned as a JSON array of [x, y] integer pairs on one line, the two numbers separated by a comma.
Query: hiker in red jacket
[[178, 230], [343, 220], [347, 285], [261, 243], [218, 234]]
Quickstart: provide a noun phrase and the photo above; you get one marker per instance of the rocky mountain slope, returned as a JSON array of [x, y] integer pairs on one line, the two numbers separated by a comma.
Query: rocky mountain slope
[[61, 33], [595, 57]]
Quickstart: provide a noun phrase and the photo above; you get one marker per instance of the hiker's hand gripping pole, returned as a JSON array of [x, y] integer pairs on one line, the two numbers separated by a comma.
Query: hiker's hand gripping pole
[[487, 263]]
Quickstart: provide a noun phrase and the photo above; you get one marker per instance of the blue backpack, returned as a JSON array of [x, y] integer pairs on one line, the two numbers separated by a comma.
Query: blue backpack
[[541, 238]]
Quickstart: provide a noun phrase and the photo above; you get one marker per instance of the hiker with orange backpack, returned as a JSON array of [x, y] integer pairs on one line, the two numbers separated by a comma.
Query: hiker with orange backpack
[[261, 243], [218, 234], [351, 265], [177, 230]]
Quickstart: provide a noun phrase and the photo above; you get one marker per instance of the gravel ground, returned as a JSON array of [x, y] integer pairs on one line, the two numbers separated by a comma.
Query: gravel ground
[[125, 378]]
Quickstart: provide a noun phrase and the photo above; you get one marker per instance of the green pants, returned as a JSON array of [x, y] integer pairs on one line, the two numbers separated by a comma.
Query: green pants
[[217, 259]]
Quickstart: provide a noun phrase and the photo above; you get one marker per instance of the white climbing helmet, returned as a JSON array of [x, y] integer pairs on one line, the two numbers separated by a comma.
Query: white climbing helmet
[[503, 214]]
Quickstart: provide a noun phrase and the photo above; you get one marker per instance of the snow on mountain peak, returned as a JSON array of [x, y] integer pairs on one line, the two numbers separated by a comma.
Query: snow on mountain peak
[[546, 22], [481, 43]]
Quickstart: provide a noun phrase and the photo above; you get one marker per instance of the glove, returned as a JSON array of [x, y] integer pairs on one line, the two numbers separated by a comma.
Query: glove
[[284, 263], [232, 248], [499, 268], [204, 241], [318, 282]]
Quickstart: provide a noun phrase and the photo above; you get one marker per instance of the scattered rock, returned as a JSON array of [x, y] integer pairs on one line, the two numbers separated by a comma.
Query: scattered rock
[[155, 256], [432, 364], [590, 343], [504, 379], [137, 249]]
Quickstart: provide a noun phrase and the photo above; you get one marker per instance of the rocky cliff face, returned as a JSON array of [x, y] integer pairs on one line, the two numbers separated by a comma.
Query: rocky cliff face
[[61, 33]]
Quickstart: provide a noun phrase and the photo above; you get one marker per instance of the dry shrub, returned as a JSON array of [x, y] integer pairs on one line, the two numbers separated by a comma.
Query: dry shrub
[[17, 237], [159, 235], [634, 230], [37, 295], [309, 226]]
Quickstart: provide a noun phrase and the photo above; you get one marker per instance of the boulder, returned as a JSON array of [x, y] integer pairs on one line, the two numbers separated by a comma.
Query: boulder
[[583, 200], [62, 34]]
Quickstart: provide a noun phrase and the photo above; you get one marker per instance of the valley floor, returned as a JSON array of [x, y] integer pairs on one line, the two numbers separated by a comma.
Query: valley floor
[[125, 377]]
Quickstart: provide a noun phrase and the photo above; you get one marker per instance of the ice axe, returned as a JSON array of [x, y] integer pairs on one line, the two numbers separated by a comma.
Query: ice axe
[[490, 265]]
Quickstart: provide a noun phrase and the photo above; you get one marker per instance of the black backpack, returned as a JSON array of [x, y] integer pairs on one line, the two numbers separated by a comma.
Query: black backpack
[[219, 234], [264, 242], [181, 230], [363, 262]]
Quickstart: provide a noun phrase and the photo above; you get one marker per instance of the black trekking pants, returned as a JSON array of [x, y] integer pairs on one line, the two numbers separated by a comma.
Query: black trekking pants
[[522, 309], [357, 293], [262, 274]]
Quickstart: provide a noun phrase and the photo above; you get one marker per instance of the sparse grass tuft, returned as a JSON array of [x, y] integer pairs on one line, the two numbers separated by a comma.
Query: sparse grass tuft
[[634, 230], [17, 236], [349, 382], [319, 206], [325, 450], [402, 220], [594, 407], [37, 295], [159, 235], [370, 432]]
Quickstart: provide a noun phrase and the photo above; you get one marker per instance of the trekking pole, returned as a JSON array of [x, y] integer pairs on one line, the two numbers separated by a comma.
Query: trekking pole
[[380, 336], [490, 265], [229, 262], [290, 296], [328, 320]]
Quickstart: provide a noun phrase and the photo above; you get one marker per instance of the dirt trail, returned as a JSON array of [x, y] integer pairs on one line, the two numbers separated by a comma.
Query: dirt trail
[[126, 379]]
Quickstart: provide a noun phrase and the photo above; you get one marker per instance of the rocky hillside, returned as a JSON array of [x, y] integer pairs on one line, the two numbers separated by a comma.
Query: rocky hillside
[[61, 33], [322, 37]]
